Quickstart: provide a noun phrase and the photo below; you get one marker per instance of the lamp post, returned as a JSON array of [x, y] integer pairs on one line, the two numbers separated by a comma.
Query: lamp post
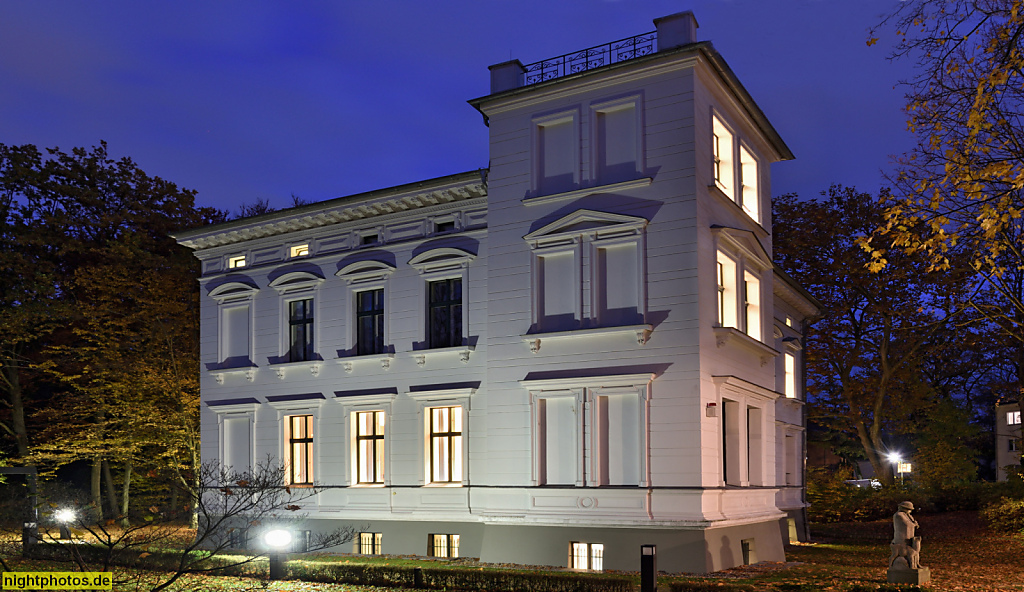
[[64, 517], [278, 540]]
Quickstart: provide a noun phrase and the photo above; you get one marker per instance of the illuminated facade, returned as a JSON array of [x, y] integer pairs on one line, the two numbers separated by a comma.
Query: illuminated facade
[[1008, 438], [580, 350]]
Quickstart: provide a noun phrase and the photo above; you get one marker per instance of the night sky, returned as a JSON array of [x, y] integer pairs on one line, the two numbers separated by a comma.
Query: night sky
[[242, 100]]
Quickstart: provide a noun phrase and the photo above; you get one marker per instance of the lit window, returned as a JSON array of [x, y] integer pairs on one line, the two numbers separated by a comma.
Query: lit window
[[748, 184], [726, 291], [588, 556], [370, 446], [1013, 418], [370, 322], [236, 261], [722, 148], [446, 445], [790, 376], [299, 435], [369, 543], [444, 316], [443, 545], [300, 251], [752, 304], [300, 330]]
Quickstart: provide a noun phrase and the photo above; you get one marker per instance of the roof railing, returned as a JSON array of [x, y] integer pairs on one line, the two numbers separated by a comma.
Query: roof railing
[[591, 58]]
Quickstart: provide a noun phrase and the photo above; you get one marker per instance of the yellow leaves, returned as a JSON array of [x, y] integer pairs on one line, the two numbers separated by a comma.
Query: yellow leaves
[[872, 41]]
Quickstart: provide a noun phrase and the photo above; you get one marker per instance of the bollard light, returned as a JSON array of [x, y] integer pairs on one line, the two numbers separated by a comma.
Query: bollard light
[[278, 540]]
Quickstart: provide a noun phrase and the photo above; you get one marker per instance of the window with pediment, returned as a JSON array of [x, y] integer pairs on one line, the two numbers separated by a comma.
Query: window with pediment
[[367, 317], [588, 252], [234, 323], [444, 272], [298, 292]]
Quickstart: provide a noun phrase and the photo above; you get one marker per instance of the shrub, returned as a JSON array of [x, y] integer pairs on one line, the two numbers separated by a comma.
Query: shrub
[[719, 586], [1006, 515]]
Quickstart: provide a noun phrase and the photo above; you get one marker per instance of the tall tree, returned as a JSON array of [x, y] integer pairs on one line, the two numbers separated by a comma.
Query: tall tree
[[876, 330], [121, 297], [959, 193]]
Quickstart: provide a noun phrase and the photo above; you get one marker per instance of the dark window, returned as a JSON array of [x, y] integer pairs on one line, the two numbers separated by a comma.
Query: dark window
[[238, 538], [443, 227], [443, 545], [370, 322], [300, 449], [300, 330], [444, 316], [368, 239], [1013, 445]]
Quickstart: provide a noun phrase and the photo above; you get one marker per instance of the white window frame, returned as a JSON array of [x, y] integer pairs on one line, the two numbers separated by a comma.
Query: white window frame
[[311, 406], [742, 396], [297, 285], [723, 158], [749, 195], [572, 248], [731, 168], [363, 276], [607, 239], [234, 295], [634, 102], [350, 405], [746, 252], [585, 390], [438, 264], [427, 400], [572, 116], [1013, 418]]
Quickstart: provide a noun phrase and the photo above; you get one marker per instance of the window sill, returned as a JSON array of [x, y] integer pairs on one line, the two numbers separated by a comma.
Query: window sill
[[313, 366], [349, 362], [220, 373], [463, 351], [641, 332], [576, 193], [724, 335], [444, 485]]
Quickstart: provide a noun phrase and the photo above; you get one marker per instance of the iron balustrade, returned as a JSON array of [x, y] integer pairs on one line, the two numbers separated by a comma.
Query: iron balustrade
[[591, 58]]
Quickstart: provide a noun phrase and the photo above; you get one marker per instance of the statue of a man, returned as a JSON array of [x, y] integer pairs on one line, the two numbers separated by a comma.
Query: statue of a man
[[904, 544]]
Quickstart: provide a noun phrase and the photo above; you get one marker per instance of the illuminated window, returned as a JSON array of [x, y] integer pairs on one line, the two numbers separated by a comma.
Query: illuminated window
[[444, 314], [236, 261], [369, 543], [446, 445], [1013, 418], [752, 304], [443, 545], [370, 446], [587, 556], [300, 251], [790, 376], [370, 322], [748, 184], [726, 291], [722, 148], [299, 457], [300, 330]]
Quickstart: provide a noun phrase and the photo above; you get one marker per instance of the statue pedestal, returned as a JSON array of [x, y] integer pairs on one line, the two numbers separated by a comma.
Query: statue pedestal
[[905, 575]]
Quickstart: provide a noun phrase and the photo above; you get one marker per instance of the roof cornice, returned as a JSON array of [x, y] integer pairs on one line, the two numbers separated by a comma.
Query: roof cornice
[[362, 206]]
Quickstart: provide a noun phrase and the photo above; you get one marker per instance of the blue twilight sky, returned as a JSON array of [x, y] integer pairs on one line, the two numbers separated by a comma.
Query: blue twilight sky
[[250, 99]]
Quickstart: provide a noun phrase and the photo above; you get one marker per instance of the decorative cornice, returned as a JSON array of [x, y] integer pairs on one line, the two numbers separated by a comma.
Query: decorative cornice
[[446, 190]]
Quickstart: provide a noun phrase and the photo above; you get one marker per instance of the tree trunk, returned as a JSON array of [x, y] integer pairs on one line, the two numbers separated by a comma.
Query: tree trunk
[[174, 497], [124, 492], [17, 429], [96, 490], [108, 479]]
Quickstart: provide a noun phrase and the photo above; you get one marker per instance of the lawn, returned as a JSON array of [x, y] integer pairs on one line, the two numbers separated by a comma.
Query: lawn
[[962, 554]]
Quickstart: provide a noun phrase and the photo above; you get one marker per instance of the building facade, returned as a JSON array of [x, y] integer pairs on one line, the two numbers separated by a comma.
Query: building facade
[[582, 349], [1008, 438]]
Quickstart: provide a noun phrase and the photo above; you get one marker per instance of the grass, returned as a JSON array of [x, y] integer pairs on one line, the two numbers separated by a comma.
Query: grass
[[963, 556]]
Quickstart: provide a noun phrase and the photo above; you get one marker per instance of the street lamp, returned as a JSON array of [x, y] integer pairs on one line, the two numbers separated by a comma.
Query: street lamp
[[896, 459], [64, 516], [278, 540]]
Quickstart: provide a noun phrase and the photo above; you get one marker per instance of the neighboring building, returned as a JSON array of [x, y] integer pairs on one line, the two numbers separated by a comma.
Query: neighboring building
[[1008, 438], [583, 349]]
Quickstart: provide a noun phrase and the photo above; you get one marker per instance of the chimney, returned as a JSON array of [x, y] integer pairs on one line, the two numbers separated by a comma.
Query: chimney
[[506, 76], [676, 30]]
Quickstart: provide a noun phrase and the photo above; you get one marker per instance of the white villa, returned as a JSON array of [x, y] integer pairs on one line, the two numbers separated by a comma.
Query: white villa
[[580, 350]]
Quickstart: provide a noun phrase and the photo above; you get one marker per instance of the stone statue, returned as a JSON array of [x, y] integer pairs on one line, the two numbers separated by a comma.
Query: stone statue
[[905, 560]]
